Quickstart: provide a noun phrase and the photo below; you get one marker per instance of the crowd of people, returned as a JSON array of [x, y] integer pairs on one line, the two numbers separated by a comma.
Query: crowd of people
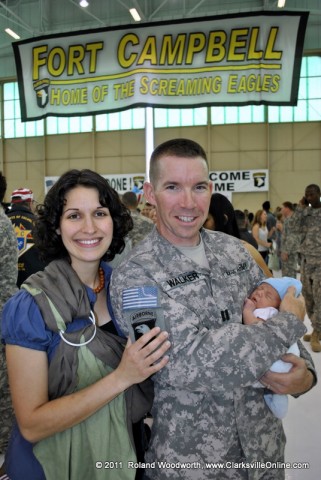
[[132, 313]]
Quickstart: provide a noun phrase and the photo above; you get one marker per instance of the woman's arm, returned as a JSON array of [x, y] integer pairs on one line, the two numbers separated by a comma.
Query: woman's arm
[[39, 418], [272, 231], [255, 233]]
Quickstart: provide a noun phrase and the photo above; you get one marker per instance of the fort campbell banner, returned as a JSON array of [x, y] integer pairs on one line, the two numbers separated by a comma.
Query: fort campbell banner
[[252, 58]]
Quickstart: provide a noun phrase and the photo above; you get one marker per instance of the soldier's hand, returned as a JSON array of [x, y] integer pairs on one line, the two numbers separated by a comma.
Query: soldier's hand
[[293, 304], [298, 380], [284, 256], [303, 202]]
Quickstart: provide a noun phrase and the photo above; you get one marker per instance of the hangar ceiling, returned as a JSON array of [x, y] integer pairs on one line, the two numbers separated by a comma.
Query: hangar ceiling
[[32, 18]]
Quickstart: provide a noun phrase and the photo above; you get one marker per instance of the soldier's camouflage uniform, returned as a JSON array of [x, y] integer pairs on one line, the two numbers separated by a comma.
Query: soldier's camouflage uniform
[[205, 407], [142, 227], [290, 244], [8, 279], [308, 221]]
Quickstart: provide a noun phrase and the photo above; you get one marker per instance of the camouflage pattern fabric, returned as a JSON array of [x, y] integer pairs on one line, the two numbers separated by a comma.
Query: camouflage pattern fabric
[[308, 220], [290, 244], [8, 278], [311, 290], [142, 227], [205, 407]]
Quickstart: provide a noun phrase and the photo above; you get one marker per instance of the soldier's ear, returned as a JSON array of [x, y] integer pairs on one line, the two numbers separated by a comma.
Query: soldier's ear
[[149, 193]]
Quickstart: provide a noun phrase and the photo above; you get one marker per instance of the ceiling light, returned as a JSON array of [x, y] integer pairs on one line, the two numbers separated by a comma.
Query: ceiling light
[[83, 3], [12, 33], [135, 14], [281, 3]]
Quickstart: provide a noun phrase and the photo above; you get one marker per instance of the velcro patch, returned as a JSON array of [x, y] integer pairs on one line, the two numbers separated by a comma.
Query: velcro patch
[[242, 267], [140, 297], [182, 279]]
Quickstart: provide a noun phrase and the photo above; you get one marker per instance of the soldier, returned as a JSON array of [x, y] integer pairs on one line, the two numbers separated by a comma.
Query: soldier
[[290, 242], [8, 278], [142, 224], [307, 219], [195, 281]]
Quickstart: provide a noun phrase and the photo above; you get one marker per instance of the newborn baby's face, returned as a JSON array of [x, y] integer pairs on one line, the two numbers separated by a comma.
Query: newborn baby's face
[[265, 296]]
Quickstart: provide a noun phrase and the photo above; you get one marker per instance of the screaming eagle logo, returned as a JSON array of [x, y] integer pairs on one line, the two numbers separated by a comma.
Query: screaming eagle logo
[[41, 87], [259, 179]]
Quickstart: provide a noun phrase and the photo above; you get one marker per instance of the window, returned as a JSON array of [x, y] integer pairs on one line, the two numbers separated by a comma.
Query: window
[[245, 114], [179, 117], [57, 125], [309, 97], [13, 127], [308, 109], [126, 120]]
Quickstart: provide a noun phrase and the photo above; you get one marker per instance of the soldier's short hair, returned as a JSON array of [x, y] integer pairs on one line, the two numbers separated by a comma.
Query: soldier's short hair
[[178, 147], [314, 187], [288, 205], [130, 199]]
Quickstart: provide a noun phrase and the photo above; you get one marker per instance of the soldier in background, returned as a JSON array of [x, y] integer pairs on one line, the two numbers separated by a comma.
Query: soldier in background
[[142, 224], [8, 278], [290, 242], [147, 210], [307, 219], [22, 219], [195, 282]]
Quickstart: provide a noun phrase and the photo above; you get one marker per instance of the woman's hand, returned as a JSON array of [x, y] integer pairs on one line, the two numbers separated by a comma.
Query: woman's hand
[[143, 358], [38, 417]]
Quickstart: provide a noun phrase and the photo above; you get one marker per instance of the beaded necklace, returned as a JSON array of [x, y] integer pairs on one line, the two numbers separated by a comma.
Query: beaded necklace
[[101, 281]]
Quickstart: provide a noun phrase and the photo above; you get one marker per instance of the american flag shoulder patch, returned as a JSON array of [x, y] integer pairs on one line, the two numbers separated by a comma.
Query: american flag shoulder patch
[[140, 297]]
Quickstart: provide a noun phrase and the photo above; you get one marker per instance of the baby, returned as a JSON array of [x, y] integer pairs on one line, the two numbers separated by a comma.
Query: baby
[[262, 304]]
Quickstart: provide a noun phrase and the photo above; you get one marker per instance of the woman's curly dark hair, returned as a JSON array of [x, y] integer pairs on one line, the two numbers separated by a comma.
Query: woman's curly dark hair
[[49, 214]]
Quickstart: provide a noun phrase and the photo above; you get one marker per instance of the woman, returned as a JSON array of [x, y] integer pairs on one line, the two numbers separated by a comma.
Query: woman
[[68, 367], [261, 234], [221, 217]]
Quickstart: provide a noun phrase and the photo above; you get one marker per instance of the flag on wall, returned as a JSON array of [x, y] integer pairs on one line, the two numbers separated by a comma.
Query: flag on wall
[[244, 59]]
